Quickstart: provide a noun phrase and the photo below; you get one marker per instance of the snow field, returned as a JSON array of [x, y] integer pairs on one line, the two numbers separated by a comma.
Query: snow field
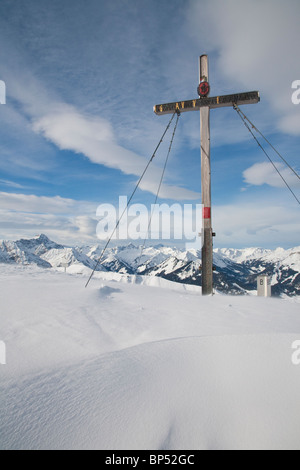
[[127, 366]]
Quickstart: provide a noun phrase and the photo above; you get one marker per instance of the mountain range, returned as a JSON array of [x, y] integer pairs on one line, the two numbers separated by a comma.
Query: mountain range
[[236, 270]]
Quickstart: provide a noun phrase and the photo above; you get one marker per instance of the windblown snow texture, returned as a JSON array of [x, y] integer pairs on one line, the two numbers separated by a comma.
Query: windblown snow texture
[[127, 366]]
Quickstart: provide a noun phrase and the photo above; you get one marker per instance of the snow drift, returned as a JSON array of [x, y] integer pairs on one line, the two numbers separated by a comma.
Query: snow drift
[[126, 366]]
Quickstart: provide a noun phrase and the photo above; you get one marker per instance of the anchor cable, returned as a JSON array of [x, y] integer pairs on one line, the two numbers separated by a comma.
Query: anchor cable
[[245, 119], [268, 142], [130, 199], [161, 180]]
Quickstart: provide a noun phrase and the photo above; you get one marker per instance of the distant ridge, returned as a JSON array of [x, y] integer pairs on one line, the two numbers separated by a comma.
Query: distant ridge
[[236, 269]]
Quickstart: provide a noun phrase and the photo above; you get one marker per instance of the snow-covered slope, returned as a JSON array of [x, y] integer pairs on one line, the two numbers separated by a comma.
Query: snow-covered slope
[[236, 270], [42, 252], [25, 251], [240, 256], [65, 257], [126, 366]]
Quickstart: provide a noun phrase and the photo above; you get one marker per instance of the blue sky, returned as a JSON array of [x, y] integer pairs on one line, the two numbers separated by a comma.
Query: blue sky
[[78, 126]]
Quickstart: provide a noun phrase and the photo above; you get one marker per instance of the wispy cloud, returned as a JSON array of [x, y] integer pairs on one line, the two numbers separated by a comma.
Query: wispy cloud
[[265, 173], [82, 78], [43, 204], [61, 228], [263, 223], [64, 219], [243, 223], [12, 184], [94, 138], [257, 44]]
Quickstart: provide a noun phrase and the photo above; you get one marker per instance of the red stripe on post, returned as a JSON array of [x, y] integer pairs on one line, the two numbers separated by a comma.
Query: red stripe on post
[[206, 212]]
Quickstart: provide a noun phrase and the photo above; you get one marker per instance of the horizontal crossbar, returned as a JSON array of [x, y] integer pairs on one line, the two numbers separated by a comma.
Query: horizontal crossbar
[[239, 99]]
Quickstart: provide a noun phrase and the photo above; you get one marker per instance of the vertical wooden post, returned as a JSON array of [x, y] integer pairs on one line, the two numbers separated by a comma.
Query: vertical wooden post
[[207, 244]]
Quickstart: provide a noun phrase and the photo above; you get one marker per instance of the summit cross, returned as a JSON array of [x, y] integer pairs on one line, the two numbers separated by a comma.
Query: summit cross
[[205, 103]]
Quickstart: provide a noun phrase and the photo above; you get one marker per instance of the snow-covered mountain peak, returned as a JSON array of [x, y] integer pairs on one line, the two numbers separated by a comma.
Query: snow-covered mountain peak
[[236, 269], [38, 245], [65, 257], [242, 255]]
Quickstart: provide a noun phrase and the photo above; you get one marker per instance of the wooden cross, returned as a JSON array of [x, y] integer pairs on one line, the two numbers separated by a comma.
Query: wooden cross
[[204, 104]]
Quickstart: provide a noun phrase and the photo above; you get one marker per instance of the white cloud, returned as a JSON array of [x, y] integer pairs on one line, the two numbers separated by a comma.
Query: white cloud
[[60, 228], [32, 203], [65, 220], [261, 223], [291, 123], [264, 173], [269, 223], [258, 45], [86, 226], [252, 44], [94, 137], [12, 184], [86, 133]]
